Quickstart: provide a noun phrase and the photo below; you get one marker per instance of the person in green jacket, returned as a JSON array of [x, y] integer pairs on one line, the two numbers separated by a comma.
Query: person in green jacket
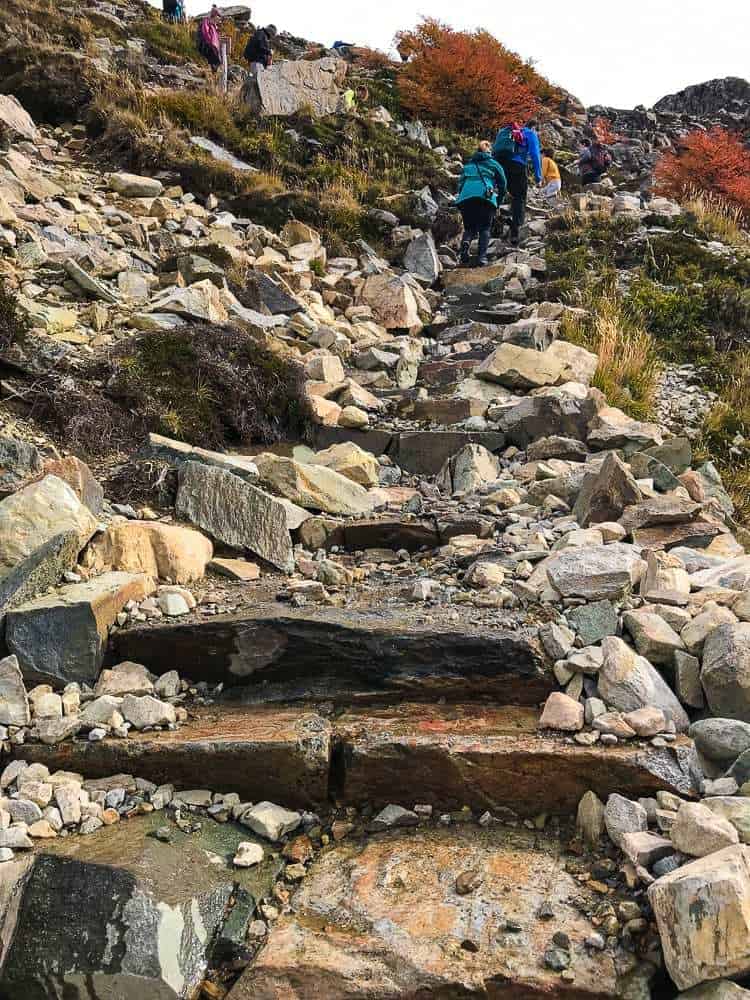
[[481, 188]]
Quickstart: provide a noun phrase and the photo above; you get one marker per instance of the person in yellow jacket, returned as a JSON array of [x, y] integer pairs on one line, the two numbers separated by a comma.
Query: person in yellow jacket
[[551, 180]]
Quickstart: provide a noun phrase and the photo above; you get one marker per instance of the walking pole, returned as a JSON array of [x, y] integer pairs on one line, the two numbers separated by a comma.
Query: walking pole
[[224, 68]]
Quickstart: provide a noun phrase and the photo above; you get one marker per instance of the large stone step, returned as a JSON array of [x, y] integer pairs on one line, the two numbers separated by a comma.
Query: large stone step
[[419, 452], [279, 754], [381, 920], [484, 757], [345, 655]]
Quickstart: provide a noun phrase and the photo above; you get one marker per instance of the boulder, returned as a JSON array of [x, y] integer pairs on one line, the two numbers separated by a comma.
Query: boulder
[[611, 428], [271, 821], [289, 86], [235, 513], [18, 461], [697, 631], [590, 818], [734, 574], [725, 673], [520, 367], [652, 636], [351, 461], [557, 414], [395, 302], [622, 816], [80, 479], [124, 678], [596, 572], [14, 704], [628, 682], [134, 186], [562, 712], [721, 740], [314, 487], [472, 467], [161, 551], [42, 529], [606, 493], [15, 121], [698, 830], [733, 808], [146, 711], [201, 301], [121, 914], [702, 911], [61, 637], [719, 990], [665, 580], [421, 259]]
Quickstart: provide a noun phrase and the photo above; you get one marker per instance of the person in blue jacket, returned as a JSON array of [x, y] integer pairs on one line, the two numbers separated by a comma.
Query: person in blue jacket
[[516, 147], [481, 187]]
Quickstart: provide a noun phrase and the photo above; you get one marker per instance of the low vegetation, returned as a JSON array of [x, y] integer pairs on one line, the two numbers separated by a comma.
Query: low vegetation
[[715, 162], [629, 363], [467, 79], [216, 387]]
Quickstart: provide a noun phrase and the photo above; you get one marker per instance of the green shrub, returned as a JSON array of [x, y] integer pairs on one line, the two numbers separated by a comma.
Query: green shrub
[[13, 324]]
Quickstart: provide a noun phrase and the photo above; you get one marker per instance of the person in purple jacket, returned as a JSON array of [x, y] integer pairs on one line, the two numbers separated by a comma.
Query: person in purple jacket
[[515, 147]]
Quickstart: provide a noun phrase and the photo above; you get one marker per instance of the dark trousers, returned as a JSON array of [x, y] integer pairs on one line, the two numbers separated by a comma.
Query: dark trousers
[[478, 215], [518, 188]]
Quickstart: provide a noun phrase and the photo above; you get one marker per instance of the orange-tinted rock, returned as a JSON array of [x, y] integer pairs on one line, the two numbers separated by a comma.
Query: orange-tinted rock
[[80, 478], [383, 921]]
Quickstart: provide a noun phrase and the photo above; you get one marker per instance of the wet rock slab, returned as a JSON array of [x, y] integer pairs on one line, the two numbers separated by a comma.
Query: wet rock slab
[[282, 655], [120, 914], [280, 754], [384, 921], [487, 758]]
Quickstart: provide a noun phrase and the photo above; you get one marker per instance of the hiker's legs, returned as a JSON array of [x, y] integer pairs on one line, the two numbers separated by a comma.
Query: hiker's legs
[[552, 190], [469, 214], [485, 231], [256, 69], [518, 186]]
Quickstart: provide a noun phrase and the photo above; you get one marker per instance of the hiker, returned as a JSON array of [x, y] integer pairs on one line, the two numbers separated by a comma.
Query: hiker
[[516, 146], [594, 161], [209, 43], [173, 11], [550, 175], [258, 51], [481, 187]]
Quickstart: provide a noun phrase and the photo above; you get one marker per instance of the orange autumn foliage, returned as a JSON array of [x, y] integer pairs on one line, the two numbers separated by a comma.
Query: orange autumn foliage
[[715, 162], [467, 80]]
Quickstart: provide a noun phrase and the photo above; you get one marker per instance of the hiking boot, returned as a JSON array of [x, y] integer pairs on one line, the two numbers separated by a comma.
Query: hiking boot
[[482, 262], [464, 256]]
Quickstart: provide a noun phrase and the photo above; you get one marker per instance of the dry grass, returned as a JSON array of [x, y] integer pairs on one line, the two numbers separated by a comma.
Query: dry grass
[[629, 365], [726, 430], [716, 218]]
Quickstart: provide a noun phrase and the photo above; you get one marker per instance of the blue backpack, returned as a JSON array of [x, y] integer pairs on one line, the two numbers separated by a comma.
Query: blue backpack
[[510, 141]]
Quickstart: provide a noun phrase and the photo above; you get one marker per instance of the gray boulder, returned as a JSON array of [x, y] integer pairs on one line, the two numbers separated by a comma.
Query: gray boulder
[[235, 513], [421, 259], [14, 703], [596, 572], [43, 527], [289, 86], [725, 673], [18, 461], [628, 682], [721, 740], [606, 493]]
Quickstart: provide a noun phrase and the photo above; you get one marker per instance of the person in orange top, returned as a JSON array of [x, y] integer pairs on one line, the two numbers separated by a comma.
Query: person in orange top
[[551, 180]]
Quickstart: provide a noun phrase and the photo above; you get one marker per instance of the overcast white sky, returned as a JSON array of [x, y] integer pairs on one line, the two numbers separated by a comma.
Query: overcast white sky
[[605, 52]]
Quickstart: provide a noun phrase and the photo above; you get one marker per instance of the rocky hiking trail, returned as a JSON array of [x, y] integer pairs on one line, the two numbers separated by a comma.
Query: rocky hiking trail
[[445, 697]]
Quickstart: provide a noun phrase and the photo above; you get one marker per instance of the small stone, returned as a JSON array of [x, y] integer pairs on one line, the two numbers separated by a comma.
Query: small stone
[[467, 882], [248, 854]]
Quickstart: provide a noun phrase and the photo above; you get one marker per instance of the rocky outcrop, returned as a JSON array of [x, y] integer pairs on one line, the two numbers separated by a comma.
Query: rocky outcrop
[[730, 93], [289, 86]]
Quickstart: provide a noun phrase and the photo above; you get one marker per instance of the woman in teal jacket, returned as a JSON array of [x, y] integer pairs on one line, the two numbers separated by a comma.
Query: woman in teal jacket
[[481, 188]]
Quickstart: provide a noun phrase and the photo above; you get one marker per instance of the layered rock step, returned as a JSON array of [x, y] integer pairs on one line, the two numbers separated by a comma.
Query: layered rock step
[[259, 753], [383, 920], [337, 655], [447, 756]]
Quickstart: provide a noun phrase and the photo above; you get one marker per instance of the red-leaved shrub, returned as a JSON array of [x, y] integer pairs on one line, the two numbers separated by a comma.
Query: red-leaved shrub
[[715, 162], [467, 80]]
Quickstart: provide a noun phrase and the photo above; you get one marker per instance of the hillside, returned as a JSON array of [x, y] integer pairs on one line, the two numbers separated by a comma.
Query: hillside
[[371, 626]]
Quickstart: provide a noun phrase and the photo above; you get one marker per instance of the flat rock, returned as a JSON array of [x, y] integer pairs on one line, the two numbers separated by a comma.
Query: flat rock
[[595, 572], [412, 926], [314, 487], [257, 753], [279, 654]]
